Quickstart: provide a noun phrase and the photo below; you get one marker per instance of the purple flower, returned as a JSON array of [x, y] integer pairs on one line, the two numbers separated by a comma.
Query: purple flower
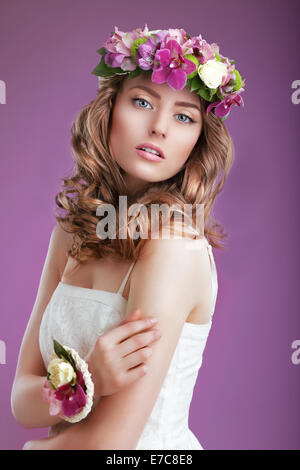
[[170, 66], [202, 50], [178, 34], [73, 399], [114, 60], [118, 48], [222, 107], [146, 53]]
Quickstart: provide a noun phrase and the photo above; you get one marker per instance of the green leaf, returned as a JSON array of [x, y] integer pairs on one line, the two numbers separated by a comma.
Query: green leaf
[[213, 93], [134, 73], [52, 386], [73, 381], [207, 93], [102, 51], [238, 80], [232, 62], [103, 70], [196, 83], [204, 94], [135, 46], [63, 354], [219, 95], [217, 57]]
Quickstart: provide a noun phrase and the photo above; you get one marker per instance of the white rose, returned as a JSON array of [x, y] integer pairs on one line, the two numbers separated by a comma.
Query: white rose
[[61, 372], [212, 72]]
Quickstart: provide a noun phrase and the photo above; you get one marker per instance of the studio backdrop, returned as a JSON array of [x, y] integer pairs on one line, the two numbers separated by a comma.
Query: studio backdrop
[[247, 392]]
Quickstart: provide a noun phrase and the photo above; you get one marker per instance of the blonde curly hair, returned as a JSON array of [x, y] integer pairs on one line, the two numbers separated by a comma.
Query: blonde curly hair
[[96, 178]]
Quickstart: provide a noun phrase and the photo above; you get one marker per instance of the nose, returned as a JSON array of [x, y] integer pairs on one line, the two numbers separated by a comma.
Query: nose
[[158, 127], [157, 132]]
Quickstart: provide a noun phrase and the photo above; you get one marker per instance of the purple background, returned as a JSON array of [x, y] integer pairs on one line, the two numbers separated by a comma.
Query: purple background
[[247, 392]]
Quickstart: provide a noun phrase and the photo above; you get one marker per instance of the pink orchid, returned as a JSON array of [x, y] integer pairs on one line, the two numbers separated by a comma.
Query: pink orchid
[[48, 395], [222, 108], [170, 66], [80, 379], [72, 399]]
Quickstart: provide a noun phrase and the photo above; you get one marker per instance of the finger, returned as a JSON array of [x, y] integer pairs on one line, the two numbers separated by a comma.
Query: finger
[[125, 331], [136, 358], [134, 374], [138, 341]]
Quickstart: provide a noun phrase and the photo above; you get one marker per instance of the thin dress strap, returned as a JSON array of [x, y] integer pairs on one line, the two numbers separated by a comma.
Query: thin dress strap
[[122, 286], [214, 276]]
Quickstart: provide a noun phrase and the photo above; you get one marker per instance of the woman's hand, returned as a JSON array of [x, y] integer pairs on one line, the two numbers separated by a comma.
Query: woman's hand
[[119, 356], [46, 443]]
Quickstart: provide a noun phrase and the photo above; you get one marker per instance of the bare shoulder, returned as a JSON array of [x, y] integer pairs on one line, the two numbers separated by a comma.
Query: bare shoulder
[[191, 252], [61, 236], [60, 243], [30, 360], [173, 270]]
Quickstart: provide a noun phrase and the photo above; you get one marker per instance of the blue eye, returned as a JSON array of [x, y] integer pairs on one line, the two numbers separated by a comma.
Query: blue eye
[[190, 120], [140, 99], [145, 101]]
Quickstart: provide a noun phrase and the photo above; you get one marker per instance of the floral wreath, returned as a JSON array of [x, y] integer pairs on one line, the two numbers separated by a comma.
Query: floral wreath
[[176, 58], [69, 388]]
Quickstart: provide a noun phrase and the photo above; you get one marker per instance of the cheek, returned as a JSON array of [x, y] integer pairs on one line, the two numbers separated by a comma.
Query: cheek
[[183, 146], [124, 126]]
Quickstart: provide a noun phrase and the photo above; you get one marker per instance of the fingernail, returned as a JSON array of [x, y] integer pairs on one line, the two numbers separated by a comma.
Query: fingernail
[[153, 320]]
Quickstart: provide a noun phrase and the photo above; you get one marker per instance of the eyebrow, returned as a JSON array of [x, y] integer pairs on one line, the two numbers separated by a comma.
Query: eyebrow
[[156, 95]]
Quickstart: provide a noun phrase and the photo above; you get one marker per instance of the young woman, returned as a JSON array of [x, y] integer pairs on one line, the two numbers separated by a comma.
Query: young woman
[[157, 95]]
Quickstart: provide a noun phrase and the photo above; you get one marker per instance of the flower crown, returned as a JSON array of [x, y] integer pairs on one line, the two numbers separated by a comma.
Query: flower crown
[[176, 58]]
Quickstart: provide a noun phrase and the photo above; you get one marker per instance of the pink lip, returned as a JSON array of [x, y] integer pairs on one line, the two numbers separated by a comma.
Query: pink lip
[[151, 146], [149, 156]]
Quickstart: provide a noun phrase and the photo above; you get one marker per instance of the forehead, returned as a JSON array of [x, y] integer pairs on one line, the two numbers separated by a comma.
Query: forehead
[[163, 89]]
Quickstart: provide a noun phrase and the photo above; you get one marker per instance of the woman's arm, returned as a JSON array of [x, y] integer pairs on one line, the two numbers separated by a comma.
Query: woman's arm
[[110, 362], [27, 404], [166, 280]]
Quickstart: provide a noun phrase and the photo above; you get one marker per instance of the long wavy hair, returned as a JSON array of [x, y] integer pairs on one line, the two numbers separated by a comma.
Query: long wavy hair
[[96, 178]]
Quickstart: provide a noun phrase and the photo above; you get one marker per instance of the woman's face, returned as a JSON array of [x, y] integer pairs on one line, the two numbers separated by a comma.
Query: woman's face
[[149, 113]]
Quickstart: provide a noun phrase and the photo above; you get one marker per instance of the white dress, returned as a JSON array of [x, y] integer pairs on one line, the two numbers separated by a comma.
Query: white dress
[[77, 316]]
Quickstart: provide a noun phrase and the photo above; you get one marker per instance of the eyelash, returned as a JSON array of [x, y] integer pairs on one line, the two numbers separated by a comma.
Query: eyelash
[[184, 122]]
